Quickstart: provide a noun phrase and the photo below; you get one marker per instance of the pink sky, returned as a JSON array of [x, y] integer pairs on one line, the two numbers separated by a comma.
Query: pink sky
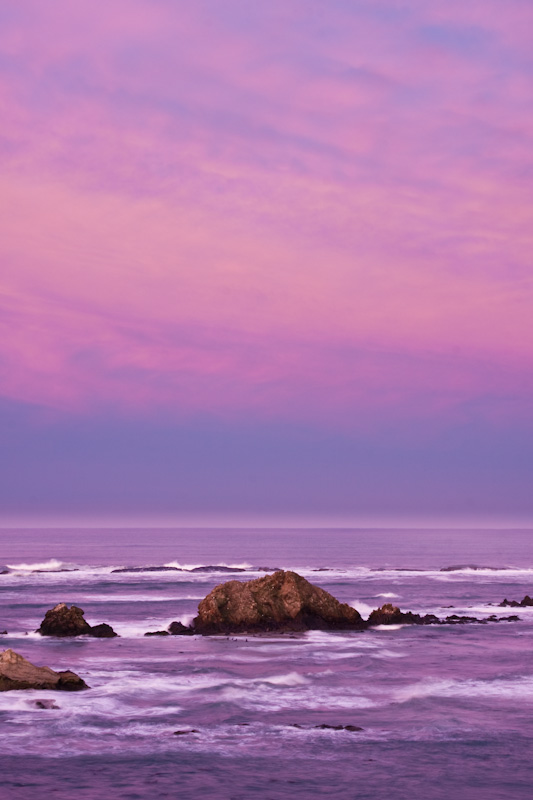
[[286, 212]]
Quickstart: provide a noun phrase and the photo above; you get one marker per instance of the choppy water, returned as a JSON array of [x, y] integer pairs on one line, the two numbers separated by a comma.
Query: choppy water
[[445, 711]]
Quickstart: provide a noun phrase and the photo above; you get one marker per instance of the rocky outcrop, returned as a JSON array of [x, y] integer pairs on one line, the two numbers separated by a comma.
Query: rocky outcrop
[[179, 629], [525, 603], [17, 673], [391, 615], [64, 621], [283, 601]]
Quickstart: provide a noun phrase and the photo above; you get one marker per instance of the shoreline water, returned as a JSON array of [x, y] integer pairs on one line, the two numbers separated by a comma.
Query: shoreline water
[[445, 710]]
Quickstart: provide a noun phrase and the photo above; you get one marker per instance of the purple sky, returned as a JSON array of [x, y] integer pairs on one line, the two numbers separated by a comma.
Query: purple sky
[[266, 258]]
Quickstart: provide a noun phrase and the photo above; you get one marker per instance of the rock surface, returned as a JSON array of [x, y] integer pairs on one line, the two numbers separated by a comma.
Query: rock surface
[[391, 615], [283, 601], [18, 673], [64, 621], [179, 629], [527, 601]]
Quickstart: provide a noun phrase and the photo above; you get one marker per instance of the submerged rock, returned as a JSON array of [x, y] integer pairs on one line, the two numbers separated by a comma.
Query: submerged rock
[[157, 633], [283, 601], [17, 673], [46, 704], [64, 621]]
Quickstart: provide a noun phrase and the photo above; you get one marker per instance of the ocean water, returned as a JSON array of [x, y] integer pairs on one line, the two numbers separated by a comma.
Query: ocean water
[[445, 712]]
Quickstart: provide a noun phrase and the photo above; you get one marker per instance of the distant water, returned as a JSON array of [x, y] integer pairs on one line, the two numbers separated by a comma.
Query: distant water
[[446, 712]]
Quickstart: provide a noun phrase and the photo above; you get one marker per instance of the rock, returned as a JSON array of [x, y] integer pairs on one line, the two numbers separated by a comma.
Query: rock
[[64, 621], [325, 727], [283, 601], [525, 603], [3, 633], [157, 633], [48, 704], [215, 568], [17, 673], [179, 629], [102, 631], [148, 569], [184, 733], [391, 615]]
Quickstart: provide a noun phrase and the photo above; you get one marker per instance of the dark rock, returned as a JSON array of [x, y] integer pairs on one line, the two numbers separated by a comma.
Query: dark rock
[[148, 569], [102, 631], [48, 571], [17, 673], [184, 733], [391, 615], [64, 621], [3, 633], [157, 633], [525, 603], [48, 704], [215, 568], [280, 602], [459, 567], [179, 629], [325, 727], [265, 569]]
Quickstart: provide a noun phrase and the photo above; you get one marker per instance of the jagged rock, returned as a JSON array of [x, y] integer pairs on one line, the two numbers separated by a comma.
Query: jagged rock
[[283, 601], [64, 621], [179, 629], [157, 633], [391, 615], [17, 673], [525, 603]]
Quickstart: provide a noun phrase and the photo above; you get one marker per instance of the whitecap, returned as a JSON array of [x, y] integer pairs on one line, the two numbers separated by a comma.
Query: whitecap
[[179, 565], [51, 564]]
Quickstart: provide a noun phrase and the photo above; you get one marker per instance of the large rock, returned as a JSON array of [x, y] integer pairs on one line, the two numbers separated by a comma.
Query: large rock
[[17, 673], [283, 601], [64, 621]]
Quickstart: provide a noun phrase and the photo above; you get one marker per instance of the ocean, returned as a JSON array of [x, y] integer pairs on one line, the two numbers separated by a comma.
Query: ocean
[[443, 711]]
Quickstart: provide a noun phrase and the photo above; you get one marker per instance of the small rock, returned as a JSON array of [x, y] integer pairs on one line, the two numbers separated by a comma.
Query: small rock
[[184, 733], [157, 633], [48, 704], [179, 629], [102, 631]]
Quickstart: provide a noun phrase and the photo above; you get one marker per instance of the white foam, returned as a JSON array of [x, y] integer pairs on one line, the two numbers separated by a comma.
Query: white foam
[[179, 565], [520, 688], [51, 564], [388, 594]]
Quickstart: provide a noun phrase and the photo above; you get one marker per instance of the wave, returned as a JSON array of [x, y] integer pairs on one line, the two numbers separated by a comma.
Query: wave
[[210, 567], [520, 688], [52, 565]]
